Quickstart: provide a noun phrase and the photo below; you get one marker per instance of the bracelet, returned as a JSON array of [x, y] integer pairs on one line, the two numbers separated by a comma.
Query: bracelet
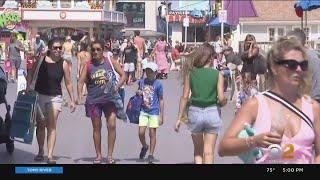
[[250, 142]]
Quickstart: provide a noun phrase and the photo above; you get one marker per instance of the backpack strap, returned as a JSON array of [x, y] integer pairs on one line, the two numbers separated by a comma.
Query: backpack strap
[[289, 106]]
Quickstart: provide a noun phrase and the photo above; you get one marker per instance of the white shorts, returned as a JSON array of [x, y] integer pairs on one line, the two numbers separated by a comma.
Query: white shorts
[[128, 67], [68, 58], [48, 102]]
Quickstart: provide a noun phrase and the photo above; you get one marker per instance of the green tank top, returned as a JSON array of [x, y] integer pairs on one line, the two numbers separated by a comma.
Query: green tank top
[[203, 84]]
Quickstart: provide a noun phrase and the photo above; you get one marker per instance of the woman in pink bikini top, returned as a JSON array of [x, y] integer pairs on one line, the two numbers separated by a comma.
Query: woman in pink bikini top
[[282, 135]]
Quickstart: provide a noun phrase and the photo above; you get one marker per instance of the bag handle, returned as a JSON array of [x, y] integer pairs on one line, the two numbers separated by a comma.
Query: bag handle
[[290, 106]]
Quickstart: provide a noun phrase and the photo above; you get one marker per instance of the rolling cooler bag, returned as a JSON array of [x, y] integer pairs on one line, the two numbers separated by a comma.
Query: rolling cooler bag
[[24, 116]]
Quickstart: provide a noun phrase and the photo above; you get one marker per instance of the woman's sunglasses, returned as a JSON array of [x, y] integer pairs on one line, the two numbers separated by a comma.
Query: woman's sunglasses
[[292, 64], [57, 47]]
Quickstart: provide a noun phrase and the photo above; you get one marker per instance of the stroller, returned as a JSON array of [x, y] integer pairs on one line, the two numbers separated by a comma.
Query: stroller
[[6, 123]]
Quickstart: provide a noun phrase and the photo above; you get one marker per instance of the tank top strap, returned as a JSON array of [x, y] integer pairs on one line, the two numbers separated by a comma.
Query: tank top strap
[[307, 106], [263, 120]]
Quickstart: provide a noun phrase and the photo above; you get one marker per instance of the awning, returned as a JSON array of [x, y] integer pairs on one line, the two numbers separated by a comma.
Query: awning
[[307, 5], [179, 18], [237, 9], [215, 23]]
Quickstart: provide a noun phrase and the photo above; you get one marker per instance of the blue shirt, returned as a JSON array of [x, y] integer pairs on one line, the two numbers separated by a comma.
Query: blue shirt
[[152, 91]]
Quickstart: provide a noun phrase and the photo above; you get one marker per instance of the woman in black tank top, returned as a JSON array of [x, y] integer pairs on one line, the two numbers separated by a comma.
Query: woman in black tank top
[[48, 85]]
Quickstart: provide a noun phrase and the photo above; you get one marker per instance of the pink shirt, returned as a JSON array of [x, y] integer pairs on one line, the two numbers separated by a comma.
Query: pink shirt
[[301, 143]]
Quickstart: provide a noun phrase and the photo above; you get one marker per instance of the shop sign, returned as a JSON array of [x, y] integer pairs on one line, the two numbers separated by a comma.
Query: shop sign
[[9, 18], [178, 12]]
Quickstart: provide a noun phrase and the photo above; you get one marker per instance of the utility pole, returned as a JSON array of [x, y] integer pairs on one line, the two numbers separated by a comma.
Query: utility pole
[[222, 23], [186, 32]]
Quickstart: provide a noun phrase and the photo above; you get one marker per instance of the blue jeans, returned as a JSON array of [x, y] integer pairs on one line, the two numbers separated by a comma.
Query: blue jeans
[[204, 120]]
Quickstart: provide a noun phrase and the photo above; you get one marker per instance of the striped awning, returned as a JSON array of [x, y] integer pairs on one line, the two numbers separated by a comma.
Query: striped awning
[[192, 20]]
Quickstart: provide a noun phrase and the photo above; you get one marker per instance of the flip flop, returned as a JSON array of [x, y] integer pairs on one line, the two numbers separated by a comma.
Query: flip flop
[[97, 161], [51, 161], [111, 161], [39, 158]]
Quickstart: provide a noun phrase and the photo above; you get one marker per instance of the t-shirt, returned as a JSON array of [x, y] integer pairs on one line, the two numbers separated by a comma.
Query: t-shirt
[[152, 91], [130, 54], [234, 59], [14, 52], [38, 47], [144, 63], [314, 65]]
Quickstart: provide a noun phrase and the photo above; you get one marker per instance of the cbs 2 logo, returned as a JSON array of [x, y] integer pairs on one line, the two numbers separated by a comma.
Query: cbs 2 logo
[[286, 151]]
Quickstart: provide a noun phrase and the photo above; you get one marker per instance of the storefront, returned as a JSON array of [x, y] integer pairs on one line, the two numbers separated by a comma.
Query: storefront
[[196, 31], [72, 22], [11, 24]]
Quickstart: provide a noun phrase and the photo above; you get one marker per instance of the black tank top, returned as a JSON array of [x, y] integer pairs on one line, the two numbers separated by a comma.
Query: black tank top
[[49, 78]]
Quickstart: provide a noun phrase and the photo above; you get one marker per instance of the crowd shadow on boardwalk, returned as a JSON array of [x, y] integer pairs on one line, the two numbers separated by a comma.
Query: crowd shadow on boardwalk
[[140, 160], [17, 157], [91, 159]]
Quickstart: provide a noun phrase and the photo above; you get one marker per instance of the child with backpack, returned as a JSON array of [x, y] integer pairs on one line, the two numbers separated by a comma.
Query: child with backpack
[[151, 114]]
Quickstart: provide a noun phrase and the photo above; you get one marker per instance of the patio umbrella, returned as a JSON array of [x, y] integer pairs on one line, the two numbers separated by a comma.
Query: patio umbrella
[[305, 5], [216, 23]]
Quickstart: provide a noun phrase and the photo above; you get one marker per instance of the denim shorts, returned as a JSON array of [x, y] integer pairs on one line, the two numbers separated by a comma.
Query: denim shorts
[[204, 120]]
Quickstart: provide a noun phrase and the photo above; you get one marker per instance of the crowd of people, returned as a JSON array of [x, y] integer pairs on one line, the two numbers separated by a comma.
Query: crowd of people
[[276, 95]]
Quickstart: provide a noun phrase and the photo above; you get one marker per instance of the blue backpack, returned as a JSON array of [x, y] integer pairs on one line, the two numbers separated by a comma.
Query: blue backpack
[[134, 106]]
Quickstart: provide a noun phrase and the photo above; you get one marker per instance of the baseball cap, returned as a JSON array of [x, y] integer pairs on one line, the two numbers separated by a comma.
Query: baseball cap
[[153, 66], [68, 38]]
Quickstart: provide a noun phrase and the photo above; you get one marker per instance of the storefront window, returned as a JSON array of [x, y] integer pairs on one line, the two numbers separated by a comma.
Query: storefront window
[[65, 3], [135, 13], [194, 34], [49, 33]]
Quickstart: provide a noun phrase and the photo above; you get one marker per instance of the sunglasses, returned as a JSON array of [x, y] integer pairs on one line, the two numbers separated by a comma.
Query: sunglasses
[[292, 64], [57, 47], [96, 49]]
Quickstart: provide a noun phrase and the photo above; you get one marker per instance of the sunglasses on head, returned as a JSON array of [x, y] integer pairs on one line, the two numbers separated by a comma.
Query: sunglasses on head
[[57, 47], [96, 49], [293, 64]]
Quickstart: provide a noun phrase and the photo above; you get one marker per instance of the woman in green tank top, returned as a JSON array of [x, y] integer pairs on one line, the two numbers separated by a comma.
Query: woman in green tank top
[[203, 90]]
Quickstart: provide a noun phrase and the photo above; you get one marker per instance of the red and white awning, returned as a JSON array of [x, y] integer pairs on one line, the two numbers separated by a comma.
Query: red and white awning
[[192, 20]]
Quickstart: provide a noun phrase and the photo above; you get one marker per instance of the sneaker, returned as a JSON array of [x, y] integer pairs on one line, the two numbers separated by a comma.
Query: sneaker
[[150, 159], [143, 152]]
